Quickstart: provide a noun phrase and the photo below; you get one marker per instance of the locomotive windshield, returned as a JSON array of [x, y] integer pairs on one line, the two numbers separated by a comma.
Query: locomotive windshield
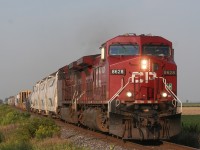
[[124, 50], [156, 50]]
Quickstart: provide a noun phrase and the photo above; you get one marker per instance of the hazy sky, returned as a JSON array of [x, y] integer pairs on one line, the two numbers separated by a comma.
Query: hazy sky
[[39, 36]]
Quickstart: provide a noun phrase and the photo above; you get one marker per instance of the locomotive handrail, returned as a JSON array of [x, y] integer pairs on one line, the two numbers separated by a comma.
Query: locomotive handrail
[[171, 92], [74, 100], [117, 94]]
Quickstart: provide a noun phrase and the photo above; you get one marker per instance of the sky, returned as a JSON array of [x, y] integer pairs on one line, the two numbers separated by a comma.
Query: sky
[[39, 36]]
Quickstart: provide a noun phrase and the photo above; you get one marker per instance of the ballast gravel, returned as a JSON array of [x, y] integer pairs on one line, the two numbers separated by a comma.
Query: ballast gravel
[[88, 141]]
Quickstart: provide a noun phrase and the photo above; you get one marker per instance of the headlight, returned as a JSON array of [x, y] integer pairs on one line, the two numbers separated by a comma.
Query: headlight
[[164, 94], [129, 94], [144, 64]]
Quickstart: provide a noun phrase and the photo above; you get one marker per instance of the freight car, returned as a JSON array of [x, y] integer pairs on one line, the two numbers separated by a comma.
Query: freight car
[[11, 100], [46, 97], [21, 99], [129, 90]]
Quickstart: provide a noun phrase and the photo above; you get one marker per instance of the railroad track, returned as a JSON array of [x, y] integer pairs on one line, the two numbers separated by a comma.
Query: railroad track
[[165, 145], [178, 147]]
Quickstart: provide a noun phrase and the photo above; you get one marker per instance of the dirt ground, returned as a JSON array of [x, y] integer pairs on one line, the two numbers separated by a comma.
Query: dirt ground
[[191, 111]]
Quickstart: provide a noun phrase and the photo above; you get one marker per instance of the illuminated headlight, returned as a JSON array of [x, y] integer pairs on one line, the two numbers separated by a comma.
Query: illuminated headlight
[[129, 94], [144, 64], [164, 94]]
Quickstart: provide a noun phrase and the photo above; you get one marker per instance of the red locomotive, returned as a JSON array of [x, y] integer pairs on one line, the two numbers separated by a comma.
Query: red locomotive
[[129, 90]]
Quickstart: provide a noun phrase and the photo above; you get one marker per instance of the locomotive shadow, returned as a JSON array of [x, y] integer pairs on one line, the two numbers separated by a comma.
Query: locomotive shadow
[[148, 142]]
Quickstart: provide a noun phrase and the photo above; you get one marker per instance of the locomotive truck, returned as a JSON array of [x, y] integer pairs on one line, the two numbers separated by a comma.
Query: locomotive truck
[[129, 90]]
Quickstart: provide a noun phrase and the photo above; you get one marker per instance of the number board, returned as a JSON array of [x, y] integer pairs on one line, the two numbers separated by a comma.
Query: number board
[[170, 72], [118, 72]]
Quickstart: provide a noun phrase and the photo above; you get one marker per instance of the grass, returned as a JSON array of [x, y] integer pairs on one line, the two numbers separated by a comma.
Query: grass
[[189, 120], [190, 134], [20, 131]]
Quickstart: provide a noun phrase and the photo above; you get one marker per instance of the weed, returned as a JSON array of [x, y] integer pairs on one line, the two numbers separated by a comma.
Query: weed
[[2, 138], [16, 145], [19, 131], [46, 131], [41, 127], [112, 147], [190, 134], [10, 116]]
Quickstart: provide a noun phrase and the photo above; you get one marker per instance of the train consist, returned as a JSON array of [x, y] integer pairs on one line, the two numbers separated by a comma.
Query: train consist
[[129, 90]]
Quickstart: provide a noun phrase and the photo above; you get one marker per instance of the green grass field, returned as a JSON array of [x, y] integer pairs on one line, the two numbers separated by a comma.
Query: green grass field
[[190, 134], [190, 119]]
